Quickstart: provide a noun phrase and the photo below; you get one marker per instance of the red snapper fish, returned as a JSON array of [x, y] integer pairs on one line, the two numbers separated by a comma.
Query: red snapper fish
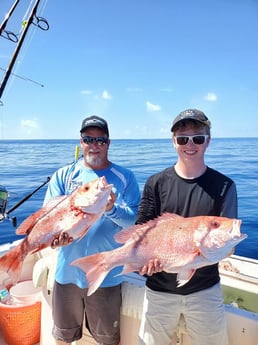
[[180, 244], [73, 214]]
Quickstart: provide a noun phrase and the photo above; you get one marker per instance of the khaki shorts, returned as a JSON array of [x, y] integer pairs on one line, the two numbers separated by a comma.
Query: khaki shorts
[[203, 314], [101, 311]]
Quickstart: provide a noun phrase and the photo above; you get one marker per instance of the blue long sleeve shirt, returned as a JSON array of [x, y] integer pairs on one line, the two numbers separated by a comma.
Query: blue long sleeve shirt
[[100, 237]]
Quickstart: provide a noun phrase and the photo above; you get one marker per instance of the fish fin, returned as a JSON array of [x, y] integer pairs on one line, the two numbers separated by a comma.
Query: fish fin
[[95, 268], [29, 222], [171, 215], [216, 255], [136, 231], [184, 276], [12, 262], [133, 267], [124, 235]]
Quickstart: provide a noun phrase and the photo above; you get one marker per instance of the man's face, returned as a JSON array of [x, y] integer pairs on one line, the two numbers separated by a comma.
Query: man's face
[[191, 142], [95, 144]]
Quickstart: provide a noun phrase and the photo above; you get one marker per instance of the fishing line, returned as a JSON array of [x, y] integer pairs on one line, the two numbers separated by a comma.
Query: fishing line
[[40, 23], [25, 17], [23, 78]]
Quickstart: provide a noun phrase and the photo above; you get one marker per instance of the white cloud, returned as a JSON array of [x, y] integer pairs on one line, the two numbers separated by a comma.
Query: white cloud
[[152, 107], [211, 97], [106, 95], [29, 123], [86, 92]]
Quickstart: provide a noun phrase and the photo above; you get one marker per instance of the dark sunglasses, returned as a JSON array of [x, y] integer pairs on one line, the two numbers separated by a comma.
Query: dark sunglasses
[[196, 139], [100, 141]]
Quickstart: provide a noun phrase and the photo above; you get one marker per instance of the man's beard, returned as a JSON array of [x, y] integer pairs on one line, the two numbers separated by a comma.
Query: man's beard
[[94, 161]]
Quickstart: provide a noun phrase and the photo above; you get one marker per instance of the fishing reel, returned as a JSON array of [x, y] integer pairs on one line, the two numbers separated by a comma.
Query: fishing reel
[[3, 204], [3, 200]]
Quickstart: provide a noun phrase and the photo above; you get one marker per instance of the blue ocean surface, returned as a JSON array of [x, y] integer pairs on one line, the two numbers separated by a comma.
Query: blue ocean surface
[[27, 164]]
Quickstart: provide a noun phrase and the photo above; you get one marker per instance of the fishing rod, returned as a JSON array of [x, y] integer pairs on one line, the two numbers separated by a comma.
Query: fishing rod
[[9, 35], [41, 23], [4, 195], [3, 202]]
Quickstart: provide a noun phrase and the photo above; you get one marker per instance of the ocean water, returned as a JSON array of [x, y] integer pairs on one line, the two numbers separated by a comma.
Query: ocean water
[[27, 164]]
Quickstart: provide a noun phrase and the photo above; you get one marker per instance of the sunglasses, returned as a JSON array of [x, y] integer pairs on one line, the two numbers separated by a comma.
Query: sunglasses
[[196, 139], [100, 141]]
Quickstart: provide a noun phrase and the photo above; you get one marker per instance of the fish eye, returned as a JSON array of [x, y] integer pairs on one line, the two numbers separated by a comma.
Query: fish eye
[[215, 224]]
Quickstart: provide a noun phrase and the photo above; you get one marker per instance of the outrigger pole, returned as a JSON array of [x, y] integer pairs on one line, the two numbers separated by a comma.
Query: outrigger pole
[[20, 42]]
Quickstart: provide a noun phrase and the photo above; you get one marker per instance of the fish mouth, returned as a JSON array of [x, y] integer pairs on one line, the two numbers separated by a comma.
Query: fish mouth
[[103, 184], [235, 230], [237, 236]]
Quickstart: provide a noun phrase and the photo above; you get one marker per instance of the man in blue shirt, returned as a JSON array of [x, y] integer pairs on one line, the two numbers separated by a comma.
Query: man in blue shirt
[[70, 300]]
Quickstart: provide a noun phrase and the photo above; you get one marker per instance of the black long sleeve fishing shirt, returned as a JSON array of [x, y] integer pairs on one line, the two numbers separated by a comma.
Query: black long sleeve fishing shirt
[[211, 194]]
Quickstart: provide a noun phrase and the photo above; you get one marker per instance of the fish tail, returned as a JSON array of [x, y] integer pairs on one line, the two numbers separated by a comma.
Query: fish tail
[[95, 268], [11, 263]]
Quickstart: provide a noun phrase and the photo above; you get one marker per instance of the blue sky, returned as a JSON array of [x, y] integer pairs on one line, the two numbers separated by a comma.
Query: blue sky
[[137, 63]]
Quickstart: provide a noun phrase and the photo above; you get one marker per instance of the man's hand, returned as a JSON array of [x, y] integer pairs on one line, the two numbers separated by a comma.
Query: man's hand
[[111, 201], [153, 266], [61, 240]]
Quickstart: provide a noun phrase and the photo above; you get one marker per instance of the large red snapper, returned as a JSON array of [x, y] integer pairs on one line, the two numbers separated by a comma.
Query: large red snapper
[[180, 244], [73, 214]]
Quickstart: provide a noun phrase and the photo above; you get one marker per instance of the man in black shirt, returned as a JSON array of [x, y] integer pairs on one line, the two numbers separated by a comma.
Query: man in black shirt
[[189, 188]]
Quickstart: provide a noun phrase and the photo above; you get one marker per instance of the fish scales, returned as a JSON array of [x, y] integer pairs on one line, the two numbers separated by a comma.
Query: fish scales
[[73, 214], [180, 244]]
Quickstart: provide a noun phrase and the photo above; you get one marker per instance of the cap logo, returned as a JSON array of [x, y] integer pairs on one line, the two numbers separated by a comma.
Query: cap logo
[[188, 113], [94, 121], [193, 113]]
